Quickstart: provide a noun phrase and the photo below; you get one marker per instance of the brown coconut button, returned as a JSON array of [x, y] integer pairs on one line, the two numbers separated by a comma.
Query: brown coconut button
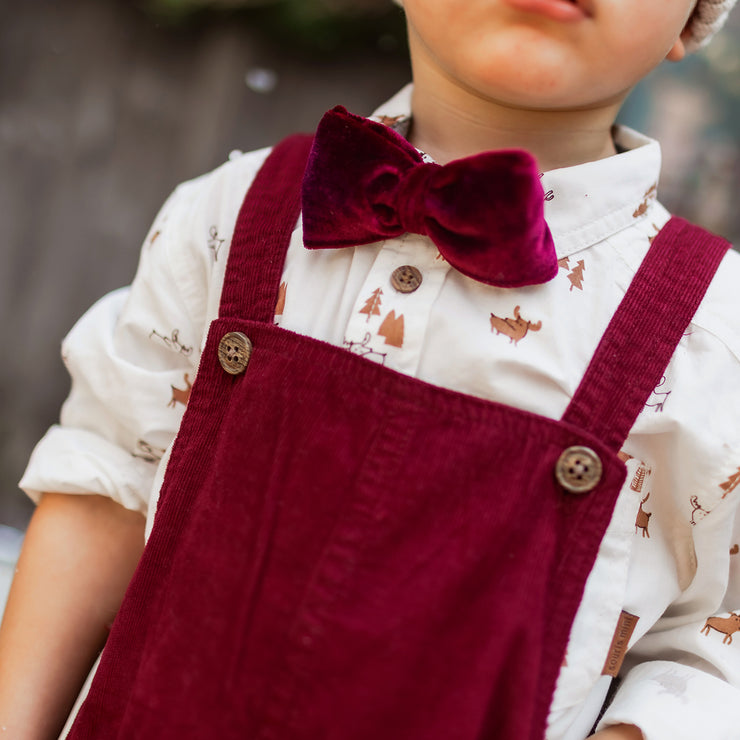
[[578, 469], [234, 351], [406, 279]]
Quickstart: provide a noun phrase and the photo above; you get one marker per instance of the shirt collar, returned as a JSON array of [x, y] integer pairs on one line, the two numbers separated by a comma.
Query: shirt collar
[[586, 203]]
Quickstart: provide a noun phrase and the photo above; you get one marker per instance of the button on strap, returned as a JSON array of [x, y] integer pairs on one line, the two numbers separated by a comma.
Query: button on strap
[[234, 351], [578, 470]]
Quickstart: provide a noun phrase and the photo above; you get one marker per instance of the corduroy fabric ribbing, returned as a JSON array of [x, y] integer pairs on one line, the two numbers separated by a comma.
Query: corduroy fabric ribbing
[[253, 276], [653, 316]]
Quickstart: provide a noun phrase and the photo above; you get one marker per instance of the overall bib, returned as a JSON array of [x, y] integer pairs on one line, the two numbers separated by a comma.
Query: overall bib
[[342, 552]]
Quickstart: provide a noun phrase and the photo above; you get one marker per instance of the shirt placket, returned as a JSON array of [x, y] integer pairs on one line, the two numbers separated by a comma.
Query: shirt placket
[[391, 314]]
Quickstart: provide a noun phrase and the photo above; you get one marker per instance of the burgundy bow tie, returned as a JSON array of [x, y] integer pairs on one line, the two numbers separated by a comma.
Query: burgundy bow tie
[[365, 183]]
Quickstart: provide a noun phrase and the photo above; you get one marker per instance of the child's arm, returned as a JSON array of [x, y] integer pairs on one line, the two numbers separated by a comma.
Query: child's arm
[[77, 559]]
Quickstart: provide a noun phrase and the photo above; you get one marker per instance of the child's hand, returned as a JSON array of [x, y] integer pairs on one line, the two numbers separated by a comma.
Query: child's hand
[[619, 732]]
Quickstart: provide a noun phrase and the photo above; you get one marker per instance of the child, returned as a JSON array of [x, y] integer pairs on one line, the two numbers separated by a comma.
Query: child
[[431, 486]]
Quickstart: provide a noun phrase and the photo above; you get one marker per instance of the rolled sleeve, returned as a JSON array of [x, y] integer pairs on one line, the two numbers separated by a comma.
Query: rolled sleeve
[[133, 356], [673, 701], [132, 359], [79, 462]]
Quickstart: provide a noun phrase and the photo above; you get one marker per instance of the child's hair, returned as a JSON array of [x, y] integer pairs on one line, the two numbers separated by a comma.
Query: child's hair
[[708, 17]]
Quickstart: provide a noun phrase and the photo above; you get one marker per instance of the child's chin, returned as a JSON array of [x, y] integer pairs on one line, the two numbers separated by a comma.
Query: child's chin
[[540, 80], [535, 91]]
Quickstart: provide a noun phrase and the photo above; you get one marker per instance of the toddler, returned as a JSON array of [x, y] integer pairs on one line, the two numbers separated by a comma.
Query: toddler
[[459, 455]]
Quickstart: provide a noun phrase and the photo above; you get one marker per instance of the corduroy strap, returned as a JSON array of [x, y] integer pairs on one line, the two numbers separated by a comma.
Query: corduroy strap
[[645, 330], [266, 220]]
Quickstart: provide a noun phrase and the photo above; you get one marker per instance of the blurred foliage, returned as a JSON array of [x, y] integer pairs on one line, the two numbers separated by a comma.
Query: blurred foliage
[[323, 26]]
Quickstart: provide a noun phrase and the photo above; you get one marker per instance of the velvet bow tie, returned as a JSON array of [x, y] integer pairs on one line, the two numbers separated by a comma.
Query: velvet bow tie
[[485, 213]]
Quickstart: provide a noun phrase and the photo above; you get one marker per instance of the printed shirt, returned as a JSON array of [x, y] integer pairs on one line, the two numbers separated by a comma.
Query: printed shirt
[[667, 574]]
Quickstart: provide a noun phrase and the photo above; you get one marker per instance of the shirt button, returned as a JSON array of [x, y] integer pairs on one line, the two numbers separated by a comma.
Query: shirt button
[[406, 279], [578, 470], [234, 351]]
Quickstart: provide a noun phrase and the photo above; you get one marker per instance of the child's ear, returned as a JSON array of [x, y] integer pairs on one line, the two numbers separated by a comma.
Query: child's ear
[[678, 50]]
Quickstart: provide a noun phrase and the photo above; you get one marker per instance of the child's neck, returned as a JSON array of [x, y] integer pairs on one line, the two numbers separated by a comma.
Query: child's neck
[[449, 123]]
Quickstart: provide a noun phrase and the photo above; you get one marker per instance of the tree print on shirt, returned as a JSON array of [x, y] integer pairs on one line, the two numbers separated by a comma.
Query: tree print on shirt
[[726, 626], [576, 274], [372, 304], [641, 475], [515, 328], [181, 395], [392, 329]]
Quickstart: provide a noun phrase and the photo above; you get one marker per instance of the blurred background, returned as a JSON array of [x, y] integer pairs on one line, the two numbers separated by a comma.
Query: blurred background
[[106, 105]]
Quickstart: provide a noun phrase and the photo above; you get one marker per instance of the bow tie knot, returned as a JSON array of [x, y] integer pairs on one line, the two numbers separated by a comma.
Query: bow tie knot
[[398, 198], [485, 213]]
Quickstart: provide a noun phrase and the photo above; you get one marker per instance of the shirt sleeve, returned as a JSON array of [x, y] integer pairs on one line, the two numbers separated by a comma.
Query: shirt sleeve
[[133, 356], [132, 359], [685, 683]]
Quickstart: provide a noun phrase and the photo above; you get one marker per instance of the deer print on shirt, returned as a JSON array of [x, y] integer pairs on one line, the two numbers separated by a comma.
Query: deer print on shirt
[[516, 328], [181, 395], [724, 625], [643, 519]]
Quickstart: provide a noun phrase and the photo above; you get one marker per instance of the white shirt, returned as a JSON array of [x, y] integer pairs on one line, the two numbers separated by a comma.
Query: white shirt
[[670, 554]]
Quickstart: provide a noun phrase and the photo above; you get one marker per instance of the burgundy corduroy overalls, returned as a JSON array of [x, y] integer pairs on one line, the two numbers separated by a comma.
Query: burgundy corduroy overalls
[[342, 552]]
